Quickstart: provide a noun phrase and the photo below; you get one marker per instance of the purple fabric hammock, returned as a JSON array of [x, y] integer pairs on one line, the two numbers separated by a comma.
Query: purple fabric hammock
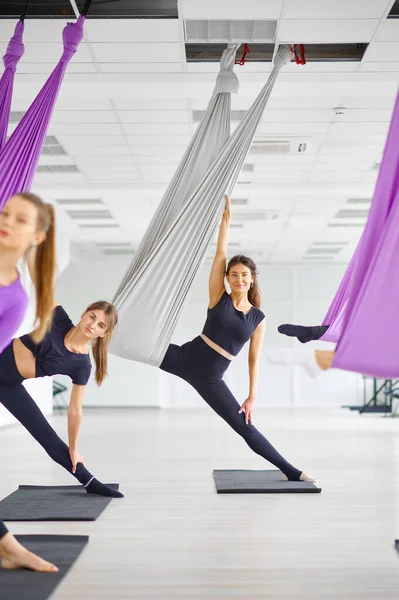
[[11, 58], [20, 154], [369, 342]]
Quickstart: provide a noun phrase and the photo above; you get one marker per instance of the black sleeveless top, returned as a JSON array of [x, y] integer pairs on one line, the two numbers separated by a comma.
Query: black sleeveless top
[[53, 358], [229, 327]]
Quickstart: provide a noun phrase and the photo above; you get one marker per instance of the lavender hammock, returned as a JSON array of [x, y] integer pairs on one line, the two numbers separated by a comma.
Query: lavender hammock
[[11, 58], [20, 155], [370, 329]]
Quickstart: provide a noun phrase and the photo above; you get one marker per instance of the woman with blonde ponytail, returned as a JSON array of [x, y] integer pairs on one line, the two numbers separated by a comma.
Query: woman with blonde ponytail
[[233, 319], [26, 227]]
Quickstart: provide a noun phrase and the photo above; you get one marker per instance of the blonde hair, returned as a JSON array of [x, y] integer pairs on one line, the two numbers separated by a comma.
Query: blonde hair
[[100, 345], [45, 265]]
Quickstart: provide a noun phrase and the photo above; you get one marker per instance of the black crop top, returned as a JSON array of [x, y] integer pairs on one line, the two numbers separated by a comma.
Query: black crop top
[[53, 358], [229, 327]]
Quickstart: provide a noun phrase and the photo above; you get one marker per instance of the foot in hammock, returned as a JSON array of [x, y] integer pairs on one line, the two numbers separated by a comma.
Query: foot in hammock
[[302, 333], [96, 487], [303, 477], [15, 556]]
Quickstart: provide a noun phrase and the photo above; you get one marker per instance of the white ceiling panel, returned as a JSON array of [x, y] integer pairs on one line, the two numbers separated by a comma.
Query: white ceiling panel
[[249, 67], [133, 30], [90, 159], [388, 31], [46, 52], [326, 30], [31, 68], [143, 52], [85, 128], [322, 67], [159, 140], [135, 67], [49, 30], [379, 67], [76, 116], [250, 9], [297, 116], [157, 159], [358, 127], [176, 151], [287, 129], [366, 102], [145, 104], [325, 9], [153, 116], [80, 141], [156, 128], [382, 52], [100, 151]]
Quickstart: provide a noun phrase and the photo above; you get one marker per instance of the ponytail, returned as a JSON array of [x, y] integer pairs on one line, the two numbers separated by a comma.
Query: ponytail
[[254, 294], [100, 345], [44, 265]]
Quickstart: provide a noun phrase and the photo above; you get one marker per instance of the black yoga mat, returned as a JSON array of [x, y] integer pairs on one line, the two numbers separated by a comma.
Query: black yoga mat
[[53, 503], [61, 550], [259, 482], [397, 545]]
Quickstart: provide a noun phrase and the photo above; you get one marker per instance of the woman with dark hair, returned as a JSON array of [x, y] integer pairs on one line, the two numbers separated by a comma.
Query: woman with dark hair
[[232, 320]]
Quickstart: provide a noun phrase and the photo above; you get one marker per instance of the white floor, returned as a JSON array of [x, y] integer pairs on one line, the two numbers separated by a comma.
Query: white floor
[[173, 537]]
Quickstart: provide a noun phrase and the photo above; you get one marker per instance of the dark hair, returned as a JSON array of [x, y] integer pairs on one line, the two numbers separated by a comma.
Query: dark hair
[[254, 291], [45, 264], [100, 345]]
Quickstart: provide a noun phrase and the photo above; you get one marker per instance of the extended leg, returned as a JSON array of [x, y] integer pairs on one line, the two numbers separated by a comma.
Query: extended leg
[[219, 397], [22, 406]]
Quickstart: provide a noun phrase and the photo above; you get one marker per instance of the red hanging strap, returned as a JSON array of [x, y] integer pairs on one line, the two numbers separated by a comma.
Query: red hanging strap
[[299, 60], [241, 61]]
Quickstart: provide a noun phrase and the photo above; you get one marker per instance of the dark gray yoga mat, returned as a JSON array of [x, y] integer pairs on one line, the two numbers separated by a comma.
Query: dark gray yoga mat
[[259, 482], [53, 503], [61, 550], [397, 545]]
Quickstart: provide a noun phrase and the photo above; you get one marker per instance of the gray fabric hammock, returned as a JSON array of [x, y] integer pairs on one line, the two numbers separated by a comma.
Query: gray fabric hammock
[[152, 295]]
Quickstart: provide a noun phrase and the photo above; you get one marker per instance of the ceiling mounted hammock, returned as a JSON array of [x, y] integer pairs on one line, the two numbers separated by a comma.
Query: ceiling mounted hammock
[[20, 154], [366, 305], [153, 293], [15, 50]]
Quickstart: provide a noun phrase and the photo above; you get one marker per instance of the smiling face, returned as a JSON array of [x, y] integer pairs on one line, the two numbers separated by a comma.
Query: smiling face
[[19, 226], [94, 324], [239, 278]]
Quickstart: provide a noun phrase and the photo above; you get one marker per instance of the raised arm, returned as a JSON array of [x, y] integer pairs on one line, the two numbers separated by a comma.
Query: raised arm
[[216, 277], [74, 422], [255, 347]]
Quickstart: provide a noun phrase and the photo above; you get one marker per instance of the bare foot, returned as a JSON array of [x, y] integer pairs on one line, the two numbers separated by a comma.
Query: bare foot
[[303, 477], [15, 556]]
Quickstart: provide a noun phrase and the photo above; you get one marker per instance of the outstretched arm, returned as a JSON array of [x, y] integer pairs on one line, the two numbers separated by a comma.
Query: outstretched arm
[[216, 278], [255, 348], [74, 422]]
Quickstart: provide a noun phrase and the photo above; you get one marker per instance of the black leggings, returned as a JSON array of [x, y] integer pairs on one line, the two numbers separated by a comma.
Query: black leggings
[[203, 368], [3, 529], [21, 405]]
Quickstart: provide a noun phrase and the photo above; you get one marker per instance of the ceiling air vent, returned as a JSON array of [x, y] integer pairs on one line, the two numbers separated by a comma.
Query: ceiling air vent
[[324, 251], [358, 201], [268, 146], [100, 9], [57, 169], [89, 214], [345, 213], [239, 201], [345, 225], [229, 31], [213, 52], [335, 52], [394, 12], [98, 225], [256, 215], [78, 201], [248, 168]]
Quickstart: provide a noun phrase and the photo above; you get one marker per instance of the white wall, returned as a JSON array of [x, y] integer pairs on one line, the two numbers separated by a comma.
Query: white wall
[[290, 293]]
